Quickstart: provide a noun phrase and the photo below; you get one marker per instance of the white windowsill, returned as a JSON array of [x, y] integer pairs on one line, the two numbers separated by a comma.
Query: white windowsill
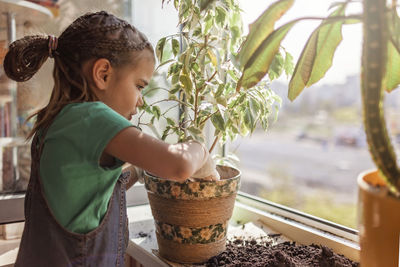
[[142, 247], [248, 210]]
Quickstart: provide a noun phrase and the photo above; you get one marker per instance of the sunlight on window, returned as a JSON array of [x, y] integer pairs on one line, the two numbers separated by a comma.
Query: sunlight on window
[[312, 154]]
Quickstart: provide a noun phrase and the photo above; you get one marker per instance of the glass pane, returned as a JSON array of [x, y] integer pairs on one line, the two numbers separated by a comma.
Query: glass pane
[[14, 151], [311, 156], [30, 96], [156, 22]]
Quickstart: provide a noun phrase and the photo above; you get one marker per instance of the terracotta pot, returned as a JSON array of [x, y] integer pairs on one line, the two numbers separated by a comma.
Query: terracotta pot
[[191, 218], [379, 222]]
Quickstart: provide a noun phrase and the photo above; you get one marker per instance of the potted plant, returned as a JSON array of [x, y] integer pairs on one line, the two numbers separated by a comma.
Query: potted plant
[[191, 217], [379, 190]]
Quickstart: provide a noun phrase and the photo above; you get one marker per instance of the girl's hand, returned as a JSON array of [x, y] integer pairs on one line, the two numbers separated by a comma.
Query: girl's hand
[[136, 174], [207, 172]]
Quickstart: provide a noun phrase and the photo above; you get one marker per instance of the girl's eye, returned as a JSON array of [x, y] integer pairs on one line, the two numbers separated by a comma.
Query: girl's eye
[[139, 87]]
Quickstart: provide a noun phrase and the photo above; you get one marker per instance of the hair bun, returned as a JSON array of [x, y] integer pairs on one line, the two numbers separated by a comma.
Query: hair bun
[[25, 56]]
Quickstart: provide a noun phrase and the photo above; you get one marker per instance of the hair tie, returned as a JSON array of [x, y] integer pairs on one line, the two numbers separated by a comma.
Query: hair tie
[[53, 42]]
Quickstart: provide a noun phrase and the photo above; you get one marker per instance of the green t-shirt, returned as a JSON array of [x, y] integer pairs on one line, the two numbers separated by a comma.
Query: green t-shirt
[[76, 187]]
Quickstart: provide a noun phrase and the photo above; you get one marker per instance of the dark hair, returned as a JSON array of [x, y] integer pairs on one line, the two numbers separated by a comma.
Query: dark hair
[[93, 35]]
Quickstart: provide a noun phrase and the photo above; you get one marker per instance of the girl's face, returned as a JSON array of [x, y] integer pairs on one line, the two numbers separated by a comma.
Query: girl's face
[[124, 92]]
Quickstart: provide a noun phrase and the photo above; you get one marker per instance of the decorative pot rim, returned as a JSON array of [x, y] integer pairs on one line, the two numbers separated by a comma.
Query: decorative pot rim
[[193, 190], [379, 189], [237, 176]]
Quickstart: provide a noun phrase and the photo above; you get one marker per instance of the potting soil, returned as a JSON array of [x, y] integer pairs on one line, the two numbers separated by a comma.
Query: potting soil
[[253, 253]]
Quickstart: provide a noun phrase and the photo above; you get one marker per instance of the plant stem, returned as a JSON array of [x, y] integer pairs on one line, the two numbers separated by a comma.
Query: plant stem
[[196, 102], [166, 100], [165, 112], [212, 76], [214, 143], [373, 72], [209, 116], [155, 88]]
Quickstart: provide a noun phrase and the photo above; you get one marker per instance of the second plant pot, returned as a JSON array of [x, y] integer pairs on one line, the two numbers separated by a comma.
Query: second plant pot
[[191, 218], [379, 222]]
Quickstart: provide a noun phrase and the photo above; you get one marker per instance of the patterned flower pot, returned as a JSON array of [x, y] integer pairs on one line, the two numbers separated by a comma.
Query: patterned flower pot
[[191, 218], [379, 223]]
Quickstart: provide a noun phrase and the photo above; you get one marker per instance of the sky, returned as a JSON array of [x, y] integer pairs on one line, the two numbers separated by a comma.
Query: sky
[[348, 55]]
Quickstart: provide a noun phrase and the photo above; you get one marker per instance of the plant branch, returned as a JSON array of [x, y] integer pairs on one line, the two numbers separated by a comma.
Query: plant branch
[[155, 88], [165, 112], [196, 100], [212, 77], [209, 116], [214, 143], [166, 100], [152, 128], [209, 80], [198, 53], [163, 100]]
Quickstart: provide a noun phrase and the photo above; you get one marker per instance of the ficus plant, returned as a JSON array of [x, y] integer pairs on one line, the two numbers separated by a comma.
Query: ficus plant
[[202, 72], [379, 65]]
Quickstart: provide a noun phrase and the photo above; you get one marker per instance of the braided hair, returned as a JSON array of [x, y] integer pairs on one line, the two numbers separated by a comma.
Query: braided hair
[[93, 35]]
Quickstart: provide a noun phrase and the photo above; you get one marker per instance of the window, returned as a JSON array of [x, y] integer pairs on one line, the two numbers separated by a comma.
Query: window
[[310, 157]]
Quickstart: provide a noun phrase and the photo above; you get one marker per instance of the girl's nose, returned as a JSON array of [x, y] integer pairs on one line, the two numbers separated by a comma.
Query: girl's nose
[[140, 101]]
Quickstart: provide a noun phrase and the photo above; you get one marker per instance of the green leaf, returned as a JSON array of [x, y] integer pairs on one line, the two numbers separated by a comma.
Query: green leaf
[[249, 120], [394, 27], [329, 38], [175, 89], [258, 64], [235, 19], [197, 31], [288, 65], [156, 111], [220, 16], [244, 130], [175, 79], [160, 49], [221, 101], [276, 67], [392, 77], [264, 123], [218, 121], [172, 97], [174, 68], [186, 82], [235, 34], [212, 57], [175, 46], [204, 4], [317, 55], [165, 133], [261, 29], [303, 69], [220, 90], [170, 121], [254, 107], [335, 4], [165, 63], [194, 130], [209, 20], [186, 59]]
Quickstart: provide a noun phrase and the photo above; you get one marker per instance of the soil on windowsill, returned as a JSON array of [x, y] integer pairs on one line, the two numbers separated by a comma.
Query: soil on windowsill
[[253, 253]]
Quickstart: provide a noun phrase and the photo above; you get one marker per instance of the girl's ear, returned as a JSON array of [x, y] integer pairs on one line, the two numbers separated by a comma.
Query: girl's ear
[[101, 72]]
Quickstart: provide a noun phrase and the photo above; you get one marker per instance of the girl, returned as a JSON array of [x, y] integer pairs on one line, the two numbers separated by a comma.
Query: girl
[[75, 202]]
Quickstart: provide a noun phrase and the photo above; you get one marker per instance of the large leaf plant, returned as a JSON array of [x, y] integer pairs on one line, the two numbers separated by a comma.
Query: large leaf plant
[[380, 64], [202, 71]]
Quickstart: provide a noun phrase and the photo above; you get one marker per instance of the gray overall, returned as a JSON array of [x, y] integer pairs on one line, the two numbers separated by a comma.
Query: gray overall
[[46, 243]]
